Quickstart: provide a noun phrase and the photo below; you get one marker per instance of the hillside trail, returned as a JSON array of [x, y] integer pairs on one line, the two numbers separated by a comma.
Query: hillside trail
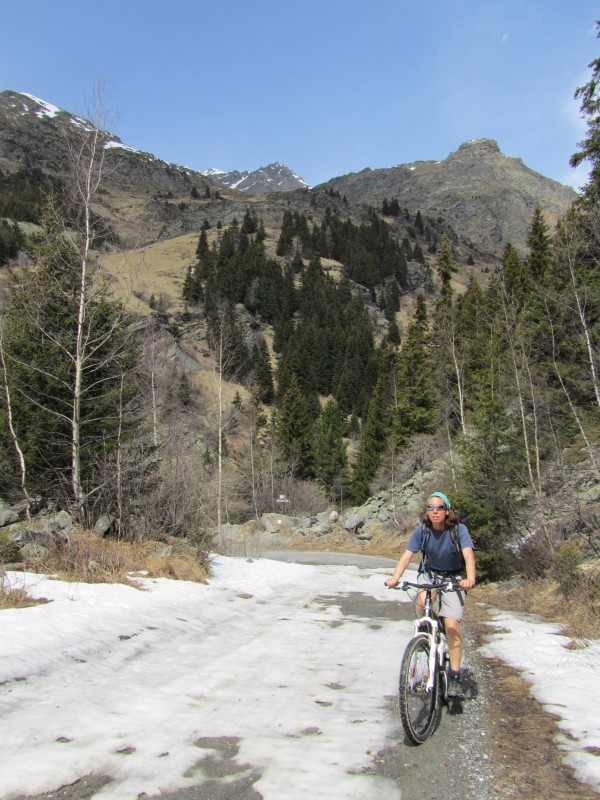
[[497, 743]]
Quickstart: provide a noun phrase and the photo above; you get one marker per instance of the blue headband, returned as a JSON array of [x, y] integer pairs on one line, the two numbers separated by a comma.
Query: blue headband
[[442, 496]]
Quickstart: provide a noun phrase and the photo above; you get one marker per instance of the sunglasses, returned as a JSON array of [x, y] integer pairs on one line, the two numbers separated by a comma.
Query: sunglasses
[[436, 508]]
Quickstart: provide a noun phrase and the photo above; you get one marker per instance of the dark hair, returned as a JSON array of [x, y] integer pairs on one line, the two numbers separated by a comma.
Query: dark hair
[[452, 519]]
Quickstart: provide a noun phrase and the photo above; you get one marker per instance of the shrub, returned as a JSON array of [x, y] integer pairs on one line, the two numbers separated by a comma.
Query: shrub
[[566, 568]]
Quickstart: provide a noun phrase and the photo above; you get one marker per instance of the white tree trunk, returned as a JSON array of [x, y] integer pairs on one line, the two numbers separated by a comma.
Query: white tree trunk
[[11, 428]]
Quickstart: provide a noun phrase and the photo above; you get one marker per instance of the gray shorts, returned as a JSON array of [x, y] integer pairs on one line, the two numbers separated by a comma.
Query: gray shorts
[[448, 604]]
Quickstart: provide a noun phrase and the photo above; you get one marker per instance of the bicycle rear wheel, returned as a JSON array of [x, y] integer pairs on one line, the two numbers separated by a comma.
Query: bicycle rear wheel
[[419, 709]]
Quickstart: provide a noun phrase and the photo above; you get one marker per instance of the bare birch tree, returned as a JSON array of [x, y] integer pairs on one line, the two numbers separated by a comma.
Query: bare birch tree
[[528, 408], [226, 367], [13, 433], [574, 410], [67, 349]]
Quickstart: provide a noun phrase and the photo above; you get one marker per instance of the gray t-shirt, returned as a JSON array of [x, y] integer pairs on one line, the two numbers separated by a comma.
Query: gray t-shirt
[[441, 555]]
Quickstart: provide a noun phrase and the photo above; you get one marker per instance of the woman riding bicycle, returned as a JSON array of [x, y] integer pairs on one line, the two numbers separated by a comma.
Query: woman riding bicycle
[[446, 551]]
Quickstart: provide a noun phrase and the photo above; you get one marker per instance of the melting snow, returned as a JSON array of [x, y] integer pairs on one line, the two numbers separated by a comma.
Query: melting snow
[[112, 680]]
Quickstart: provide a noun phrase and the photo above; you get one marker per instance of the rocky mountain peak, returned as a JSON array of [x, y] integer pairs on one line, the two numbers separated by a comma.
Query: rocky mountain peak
[[276, 177], [486, 196], [479, 146]]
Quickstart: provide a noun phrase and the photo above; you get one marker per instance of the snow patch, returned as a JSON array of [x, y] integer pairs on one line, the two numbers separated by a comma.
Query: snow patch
[[213, 171], [114, 145], [46, 109]]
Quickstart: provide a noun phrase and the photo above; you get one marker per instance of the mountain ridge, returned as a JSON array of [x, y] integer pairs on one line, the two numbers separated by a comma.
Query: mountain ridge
[[488, 198]]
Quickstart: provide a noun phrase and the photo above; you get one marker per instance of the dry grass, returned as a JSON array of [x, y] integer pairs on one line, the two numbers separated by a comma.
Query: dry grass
[[14, 597], [84, 557], [80, 557], [383, 542], [158, 269], [577, 612]]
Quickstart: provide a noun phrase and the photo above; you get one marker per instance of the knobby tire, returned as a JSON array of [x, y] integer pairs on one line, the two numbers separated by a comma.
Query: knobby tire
[[420, 710]]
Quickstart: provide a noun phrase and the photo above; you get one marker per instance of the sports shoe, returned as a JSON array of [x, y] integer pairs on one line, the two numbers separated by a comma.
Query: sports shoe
[[455, 688]]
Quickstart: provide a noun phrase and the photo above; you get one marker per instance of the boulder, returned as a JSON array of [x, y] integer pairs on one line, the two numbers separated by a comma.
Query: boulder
[[31, 545], [34, 551], [273, 523], [320, 530], [103, 524], [60, 521], [354, 522], [8, 516]]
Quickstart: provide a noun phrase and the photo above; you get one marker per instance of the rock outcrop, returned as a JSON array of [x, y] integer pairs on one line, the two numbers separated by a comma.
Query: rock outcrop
[[388, 517]]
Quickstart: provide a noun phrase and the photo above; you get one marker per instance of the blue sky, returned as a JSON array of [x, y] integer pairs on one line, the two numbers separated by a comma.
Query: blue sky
[[325, 86]]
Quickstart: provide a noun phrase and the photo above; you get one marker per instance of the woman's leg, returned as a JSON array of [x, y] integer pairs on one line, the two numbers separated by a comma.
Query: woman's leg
[[420, 607], [454, 642], [421, 597]]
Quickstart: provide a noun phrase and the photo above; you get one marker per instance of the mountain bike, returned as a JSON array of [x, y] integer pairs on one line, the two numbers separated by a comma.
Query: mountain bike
[[423, 686]]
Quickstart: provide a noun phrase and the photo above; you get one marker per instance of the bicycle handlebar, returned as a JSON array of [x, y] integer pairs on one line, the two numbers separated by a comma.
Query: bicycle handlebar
[[447, 584]]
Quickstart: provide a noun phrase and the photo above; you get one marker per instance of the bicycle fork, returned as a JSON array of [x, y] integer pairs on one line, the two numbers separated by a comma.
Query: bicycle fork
[[429, 627]]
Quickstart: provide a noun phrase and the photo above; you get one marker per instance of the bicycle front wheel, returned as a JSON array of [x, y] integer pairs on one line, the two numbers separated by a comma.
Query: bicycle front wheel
[[419, 708]]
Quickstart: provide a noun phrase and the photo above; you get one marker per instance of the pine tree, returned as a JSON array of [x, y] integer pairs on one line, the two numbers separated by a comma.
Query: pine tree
[[286, 234], [539, 242], [225, 334], [249, 223], [589, 94], [68, 396], [415, 402], [329, 449], [263, 374], [419, 223], [294, 429], [492, 458], [393, 336], [376, 428], [445, 266], [418, 254], [514, 274]]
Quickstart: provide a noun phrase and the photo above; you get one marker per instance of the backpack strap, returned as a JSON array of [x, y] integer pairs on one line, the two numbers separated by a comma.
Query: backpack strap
[[425, 533], [456, 543], [454, 536]]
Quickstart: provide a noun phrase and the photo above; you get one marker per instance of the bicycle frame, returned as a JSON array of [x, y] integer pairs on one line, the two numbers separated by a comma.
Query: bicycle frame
[[429, 624]]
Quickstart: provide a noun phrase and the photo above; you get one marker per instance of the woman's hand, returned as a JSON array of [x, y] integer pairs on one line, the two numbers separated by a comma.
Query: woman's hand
[[392, 582], [467, 583]]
